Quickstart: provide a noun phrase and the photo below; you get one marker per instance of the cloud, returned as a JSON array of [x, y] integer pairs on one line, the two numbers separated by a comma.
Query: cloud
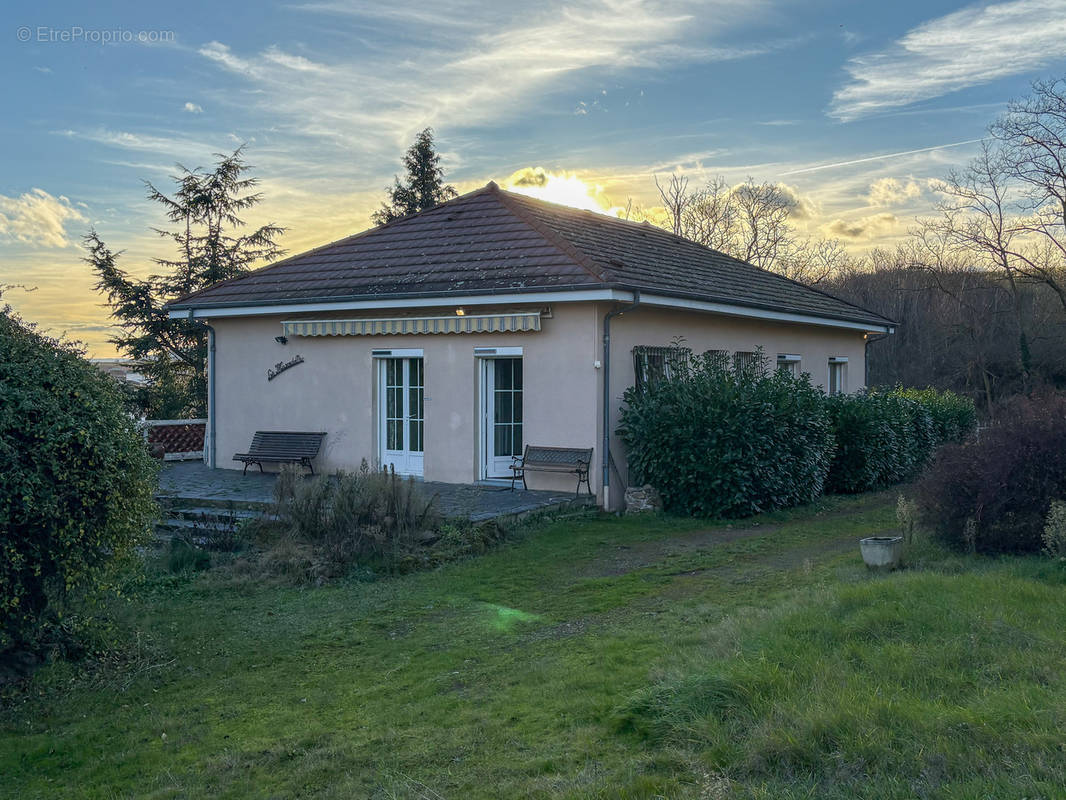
[[566, 188], [221, 54], [851, 38], [969, 47], [528, 176], [870, 227], [493, 68], [893, 192], [37, 218], [293, 62], [800, 207], [866, 159], [193, 108], [169, 146]]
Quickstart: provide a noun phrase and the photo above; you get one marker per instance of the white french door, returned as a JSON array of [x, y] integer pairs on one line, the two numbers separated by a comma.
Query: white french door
[[401, 409], [501, 404]]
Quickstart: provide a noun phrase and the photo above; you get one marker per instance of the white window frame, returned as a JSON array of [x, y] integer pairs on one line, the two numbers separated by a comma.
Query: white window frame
[[485, 361], [743, 359], [791, 362], [497, 352], [839, 364], [408, 352], [411, 463]]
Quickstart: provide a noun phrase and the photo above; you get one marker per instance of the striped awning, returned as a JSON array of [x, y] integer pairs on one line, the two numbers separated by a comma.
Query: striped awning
[[469, 323]]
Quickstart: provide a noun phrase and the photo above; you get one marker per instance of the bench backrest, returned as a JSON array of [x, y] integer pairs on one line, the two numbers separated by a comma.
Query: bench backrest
[[537, 456], [287, 444]]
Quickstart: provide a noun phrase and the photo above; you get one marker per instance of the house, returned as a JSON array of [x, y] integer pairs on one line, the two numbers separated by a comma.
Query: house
[[123, 370], [444, 341]]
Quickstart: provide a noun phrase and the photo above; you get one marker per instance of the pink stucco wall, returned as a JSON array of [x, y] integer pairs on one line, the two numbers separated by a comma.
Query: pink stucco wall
[[335, 388], [701, 332]]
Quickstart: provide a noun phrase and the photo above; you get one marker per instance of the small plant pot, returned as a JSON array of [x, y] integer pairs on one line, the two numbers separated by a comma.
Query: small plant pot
[[882, 552]]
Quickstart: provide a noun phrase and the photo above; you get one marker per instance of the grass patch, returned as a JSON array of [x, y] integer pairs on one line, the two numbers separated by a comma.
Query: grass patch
[[919, 684], [589, 658]]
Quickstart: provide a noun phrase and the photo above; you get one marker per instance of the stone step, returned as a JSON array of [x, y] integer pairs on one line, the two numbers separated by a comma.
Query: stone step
[[169, 501], [172, 526], [214, 514]]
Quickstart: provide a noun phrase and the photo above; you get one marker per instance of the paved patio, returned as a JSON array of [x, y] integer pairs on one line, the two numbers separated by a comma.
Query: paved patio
[[191, 481]]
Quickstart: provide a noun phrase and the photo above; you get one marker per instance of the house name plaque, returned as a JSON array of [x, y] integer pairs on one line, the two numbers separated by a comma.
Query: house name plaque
[[281, 366]]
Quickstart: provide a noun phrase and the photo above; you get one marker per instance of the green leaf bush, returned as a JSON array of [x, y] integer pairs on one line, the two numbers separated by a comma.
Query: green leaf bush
[[76, 481], [881, 439], [884, 438], [721, 441], [725, 441], [954, 416]]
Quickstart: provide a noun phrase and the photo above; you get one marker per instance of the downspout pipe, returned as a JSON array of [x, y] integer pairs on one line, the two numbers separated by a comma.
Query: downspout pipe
[[210, 388], [866, 357], [605, 449]]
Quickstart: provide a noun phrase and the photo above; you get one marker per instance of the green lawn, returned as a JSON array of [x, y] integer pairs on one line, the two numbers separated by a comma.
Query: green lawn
[[599, 657]]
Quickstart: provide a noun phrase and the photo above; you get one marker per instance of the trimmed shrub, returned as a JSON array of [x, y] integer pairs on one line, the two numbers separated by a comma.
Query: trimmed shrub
[[721, 441], [881, 439], [992, 493], [954, 416], [76, 481]]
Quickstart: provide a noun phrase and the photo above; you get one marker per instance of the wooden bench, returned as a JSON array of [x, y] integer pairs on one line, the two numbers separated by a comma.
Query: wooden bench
[[282, 447], [573, 460]]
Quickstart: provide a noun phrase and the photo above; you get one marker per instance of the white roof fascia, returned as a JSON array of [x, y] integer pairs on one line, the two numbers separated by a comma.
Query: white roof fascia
[[646, 299]]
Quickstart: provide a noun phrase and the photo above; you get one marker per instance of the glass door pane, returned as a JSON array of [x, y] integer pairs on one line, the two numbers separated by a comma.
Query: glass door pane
[[394, 411], [416, 395], [507, 407]]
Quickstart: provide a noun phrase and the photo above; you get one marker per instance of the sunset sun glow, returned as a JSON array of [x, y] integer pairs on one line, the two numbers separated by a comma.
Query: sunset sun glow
[[564, 188]]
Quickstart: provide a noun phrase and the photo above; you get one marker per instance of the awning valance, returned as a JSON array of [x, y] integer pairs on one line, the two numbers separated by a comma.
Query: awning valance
[[469, 323]]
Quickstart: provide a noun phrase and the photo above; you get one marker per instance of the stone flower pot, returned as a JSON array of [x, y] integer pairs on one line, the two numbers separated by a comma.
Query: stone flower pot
[[882, 552]]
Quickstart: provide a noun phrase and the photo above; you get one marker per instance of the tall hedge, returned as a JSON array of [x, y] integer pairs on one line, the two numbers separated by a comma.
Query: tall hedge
[[885, 438], [881, 439], [76, 480], [954, 416], [721, 441]]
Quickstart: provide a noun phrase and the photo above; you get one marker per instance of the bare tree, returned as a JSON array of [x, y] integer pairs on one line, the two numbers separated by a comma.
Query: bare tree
[[1033, 138], [676, 200], [1031, 143], [958, 326], [976, 222], [765, 233], [712, 217], [814, 261], [750, 221]]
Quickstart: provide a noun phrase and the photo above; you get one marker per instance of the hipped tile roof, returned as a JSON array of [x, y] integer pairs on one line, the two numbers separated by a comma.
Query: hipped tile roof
[[496, 242]]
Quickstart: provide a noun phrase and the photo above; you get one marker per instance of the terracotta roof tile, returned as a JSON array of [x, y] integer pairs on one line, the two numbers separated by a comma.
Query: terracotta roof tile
[[496, 241]]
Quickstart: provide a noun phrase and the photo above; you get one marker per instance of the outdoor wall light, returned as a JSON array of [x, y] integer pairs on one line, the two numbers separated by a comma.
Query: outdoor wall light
[[281, 339], [460, 312]]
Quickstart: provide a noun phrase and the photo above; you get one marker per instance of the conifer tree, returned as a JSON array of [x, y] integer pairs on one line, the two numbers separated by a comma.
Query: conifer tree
[[206, 229], [423, 186]]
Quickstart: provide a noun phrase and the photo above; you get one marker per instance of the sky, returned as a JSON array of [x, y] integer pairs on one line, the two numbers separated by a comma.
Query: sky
[[857, 107]]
